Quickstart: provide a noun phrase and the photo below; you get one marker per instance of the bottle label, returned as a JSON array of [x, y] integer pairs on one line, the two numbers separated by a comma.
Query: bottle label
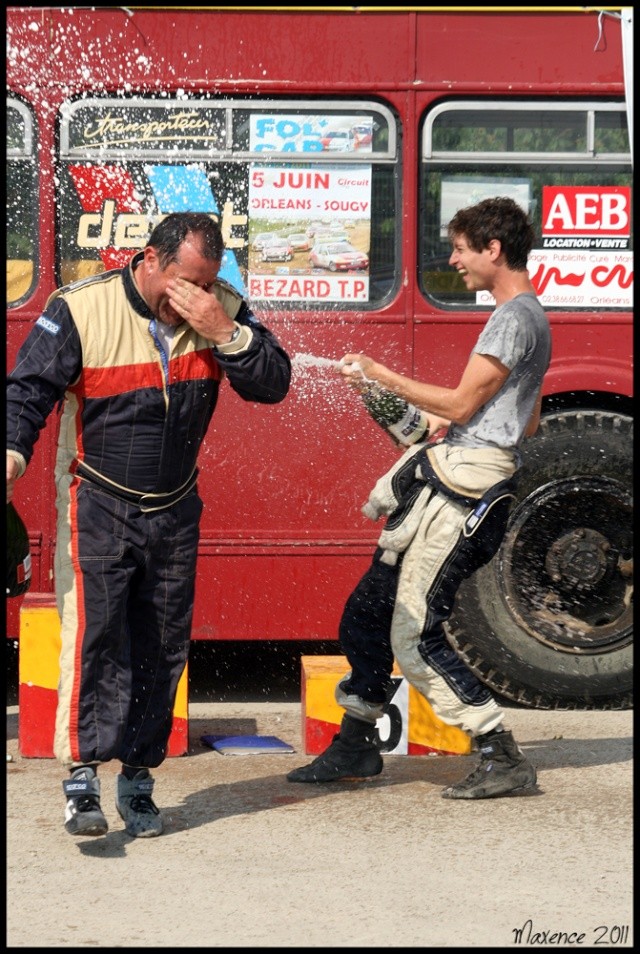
[[411, 427]]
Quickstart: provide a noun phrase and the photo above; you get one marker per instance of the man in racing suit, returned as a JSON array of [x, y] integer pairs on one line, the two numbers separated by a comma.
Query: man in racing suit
[[136, 356], [447, 503]]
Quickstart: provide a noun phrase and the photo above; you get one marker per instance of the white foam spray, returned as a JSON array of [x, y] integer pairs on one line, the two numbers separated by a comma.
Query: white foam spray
[[314, 361]]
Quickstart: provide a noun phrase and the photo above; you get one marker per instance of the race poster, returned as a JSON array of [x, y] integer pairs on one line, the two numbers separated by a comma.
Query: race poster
[[309, 233]]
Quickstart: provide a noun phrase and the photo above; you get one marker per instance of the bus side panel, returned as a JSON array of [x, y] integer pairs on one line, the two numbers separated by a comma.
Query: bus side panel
[[481, 51], [517, 52], [590, 358], [224, 44], [283, 539]]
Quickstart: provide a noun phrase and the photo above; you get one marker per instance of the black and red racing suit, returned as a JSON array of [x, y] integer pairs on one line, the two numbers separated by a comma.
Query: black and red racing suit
[[133, 421]]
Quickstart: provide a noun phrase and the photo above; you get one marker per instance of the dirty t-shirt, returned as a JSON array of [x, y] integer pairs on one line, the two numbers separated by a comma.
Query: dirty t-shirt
[[518, 335]]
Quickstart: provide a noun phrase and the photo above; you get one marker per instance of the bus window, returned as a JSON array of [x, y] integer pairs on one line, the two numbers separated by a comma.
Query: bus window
[[568, 165], [260, 167], [22, 202]]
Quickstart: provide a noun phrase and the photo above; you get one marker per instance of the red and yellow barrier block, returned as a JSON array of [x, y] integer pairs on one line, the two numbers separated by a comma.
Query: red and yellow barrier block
[[409, 725], [38, 672]]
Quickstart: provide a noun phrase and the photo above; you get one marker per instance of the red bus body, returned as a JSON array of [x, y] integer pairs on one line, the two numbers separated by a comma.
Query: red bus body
[[283, 540]]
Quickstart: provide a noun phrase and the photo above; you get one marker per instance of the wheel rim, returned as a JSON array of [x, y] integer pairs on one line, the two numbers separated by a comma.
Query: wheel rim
[[566, 565]]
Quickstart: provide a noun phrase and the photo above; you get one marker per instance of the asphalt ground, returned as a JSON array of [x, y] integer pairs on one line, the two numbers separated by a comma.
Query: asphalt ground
[[250, 860]]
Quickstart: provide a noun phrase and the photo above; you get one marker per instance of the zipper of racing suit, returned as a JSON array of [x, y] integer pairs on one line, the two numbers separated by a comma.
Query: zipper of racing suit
[[164, 360]]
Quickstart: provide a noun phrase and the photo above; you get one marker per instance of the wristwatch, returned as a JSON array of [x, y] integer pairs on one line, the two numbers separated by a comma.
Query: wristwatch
[[234, 334]]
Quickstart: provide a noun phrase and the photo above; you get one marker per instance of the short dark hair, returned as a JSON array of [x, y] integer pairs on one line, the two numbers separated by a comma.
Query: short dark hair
[[496, 218], [169, 234]]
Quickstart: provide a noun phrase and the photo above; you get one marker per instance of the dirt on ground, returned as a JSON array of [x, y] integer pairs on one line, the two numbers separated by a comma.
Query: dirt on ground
[[250, 860]]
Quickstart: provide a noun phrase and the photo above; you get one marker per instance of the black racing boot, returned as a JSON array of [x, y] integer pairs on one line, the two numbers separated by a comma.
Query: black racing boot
[[83, 814], [503, 770], [352, 754], [140, 814]]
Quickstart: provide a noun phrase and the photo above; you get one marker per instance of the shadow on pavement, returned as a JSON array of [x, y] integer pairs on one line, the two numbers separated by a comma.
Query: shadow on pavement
[[247, 796]]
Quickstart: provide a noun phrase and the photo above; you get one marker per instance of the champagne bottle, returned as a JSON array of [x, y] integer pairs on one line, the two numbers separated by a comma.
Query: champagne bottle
[[405, 423], [18, 554]]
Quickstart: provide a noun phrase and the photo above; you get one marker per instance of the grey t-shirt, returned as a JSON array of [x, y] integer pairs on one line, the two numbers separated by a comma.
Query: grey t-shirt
[[518, 335]]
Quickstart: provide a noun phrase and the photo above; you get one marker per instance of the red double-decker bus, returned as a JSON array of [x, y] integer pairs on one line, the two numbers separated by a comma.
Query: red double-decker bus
[[367, 128]]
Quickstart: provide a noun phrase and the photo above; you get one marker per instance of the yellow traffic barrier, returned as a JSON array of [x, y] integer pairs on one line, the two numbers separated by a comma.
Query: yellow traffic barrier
[[38, 673], [409, 725]]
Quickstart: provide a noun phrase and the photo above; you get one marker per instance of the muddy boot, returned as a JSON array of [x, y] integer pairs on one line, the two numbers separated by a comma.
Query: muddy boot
[[503, 770], [352, 754]]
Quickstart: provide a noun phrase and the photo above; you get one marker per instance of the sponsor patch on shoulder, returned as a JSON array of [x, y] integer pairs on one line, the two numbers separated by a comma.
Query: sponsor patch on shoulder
[[48, 325]]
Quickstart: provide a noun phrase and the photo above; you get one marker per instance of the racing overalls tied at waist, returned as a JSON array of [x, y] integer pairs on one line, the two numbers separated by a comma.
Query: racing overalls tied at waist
[[447, 509]]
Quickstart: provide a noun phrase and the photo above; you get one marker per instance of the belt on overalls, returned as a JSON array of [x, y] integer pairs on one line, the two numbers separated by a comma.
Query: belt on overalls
[[145, 501]]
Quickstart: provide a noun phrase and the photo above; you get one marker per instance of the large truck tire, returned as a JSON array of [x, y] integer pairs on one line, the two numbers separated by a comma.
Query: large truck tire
[[548, 623]]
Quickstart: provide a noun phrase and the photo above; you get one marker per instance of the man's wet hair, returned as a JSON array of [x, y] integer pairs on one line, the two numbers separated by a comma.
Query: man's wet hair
[[496, 218], [169, 234]]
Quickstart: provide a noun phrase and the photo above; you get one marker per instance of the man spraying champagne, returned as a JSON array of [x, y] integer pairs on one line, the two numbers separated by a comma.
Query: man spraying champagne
[[447, 503]]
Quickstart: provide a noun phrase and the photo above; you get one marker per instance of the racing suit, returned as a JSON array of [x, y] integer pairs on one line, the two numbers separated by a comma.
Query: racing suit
[[447, 505], [133, 420]]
